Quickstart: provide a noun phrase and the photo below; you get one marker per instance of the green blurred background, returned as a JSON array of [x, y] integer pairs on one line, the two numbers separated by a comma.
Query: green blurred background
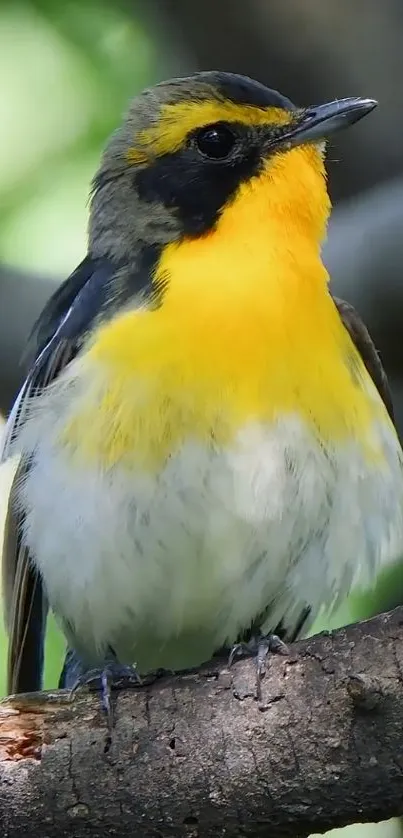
[[68, 70]]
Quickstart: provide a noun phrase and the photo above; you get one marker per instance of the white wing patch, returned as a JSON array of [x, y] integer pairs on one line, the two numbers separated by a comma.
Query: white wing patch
[[14, 422]]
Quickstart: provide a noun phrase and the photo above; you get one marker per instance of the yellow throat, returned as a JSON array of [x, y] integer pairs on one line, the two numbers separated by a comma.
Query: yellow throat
[[246, 331]]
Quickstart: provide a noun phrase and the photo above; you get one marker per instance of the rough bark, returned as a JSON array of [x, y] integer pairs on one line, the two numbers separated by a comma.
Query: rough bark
[[198, 755]]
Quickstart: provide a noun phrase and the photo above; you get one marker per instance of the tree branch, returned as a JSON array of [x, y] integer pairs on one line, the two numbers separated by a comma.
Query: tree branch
[[197, 755]]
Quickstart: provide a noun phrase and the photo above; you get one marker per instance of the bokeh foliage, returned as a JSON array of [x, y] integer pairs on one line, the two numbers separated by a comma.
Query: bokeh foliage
[[71, 69]]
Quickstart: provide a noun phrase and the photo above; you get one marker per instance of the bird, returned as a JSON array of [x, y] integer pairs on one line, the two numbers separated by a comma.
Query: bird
[[207, 447]]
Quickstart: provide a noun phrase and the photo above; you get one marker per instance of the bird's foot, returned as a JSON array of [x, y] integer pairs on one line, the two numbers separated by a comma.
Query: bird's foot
[[111, 676], [259, 647]]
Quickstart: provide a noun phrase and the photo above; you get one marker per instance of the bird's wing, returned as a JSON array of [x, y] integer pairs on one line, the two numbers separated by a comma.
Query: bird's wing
[[362, 340], [55, 340]]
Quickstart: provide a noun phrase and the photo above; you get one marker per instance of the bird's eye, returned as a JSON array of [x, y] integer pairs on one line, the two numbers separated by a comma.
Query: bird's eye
[[215, 141]]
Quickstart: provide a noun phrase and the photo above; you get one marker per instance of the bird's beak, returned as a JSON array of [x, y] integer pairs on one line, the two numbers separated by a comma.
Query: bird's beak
[[318, 123]]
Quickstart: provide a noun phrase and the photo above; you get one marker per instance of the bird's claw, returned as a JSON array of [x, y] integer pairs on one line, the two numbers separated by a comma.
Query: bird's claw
[[112, 676], [259, 647]]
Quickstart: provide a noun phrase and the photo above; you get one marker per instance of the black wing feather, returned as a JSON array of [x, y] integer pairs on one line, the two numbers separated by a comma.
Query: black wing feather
[[362, 340], [56, 337]]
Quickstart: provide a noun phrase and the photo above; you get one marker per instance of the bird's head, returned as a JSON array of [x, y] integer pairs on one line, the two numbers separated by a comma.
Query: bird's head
[[191, 148]]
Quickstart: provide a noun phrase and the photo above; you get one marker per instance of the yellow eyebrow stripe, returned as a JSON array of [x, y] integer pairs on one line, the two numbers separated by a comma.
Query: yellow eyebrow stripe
[[178, 120]]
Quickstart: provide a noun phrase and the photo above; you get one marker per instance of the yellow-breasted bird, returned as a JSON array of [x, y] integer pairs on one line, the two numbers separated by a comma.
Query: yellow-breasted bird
[[206, 435]]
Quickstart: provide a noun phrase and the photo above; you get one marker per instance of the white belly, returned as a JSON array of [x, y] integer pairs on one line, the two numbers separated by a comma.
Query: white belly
[[165, 569]]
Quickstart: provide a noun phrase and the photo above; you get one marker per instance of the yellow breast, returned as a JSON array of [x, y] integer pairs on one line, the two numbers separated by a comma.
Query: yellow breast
[[246, 331]]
